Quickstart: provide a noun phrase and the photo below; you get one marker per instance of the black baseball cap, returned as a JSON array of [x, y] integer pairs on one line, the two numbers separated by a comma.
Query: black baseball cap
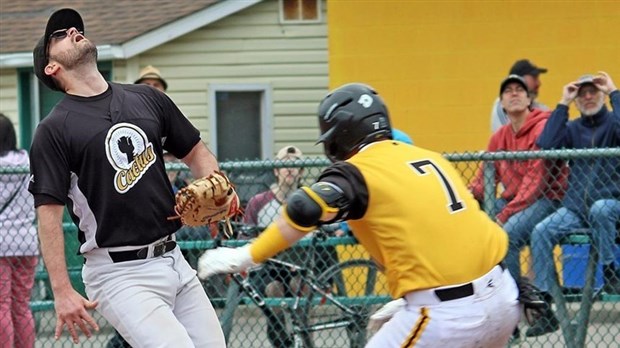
[[62, 19], [513, 78], [524, 67]]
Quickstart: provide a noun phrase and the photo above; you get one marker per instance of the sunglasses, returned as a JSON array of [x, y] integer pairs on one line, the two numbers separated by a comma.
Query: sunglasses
[[61, 34], [583, 91]]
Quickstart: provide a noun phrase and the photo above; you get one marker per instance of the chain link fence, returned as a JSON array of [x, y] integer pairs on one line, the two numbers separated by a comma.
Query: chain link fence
[[322, 290]]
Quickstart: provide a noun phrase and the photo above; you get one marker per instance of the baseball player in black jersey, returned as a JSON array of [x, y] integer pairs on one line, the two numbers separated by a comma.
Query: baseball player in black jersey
[[99, 152]]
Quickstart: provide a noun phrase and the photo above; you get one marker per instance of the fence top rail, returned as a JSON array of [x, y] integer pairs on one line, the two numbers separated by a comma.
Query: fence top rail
[[564, 154], [318, 162], [305, 242]]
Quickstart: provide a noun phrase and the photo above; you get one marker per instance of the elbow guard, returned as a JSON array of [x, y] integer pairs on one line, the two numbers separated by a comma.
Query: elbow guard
[[308, 206]]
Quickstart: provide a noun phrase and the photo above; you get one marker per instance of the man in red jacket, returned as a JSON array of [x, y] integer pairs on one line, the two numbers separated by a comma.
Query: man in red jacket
[[532, 188]]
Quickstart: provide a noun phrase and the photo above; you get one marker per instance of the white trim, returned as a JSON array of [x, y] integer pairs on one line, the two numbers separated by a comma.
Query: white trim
[[183, 26], [150, 39], [266, 113], [16, 60], [109, 52]]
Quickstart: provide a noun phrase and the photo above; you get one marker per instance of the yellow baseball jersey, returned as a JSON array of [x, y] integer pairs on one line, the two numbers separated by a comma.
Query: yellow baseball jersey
[[413, 213]]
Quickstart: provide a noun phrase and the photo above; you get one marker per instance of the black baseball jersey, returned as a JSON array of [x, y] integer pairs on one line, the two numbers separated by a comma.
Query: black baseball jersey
[[102, 157]]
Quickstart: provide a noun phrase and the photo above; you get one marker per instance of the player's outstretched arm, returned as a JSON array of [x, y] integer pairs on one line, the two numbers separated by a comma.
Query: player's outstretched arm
[[71, 307], [305, 209], [277, 237]]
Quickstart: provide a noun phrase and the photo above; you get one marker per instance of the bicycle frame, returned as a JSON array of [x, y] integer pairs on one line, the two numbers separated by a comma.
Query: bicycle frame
[[299, 327], [319, 290]]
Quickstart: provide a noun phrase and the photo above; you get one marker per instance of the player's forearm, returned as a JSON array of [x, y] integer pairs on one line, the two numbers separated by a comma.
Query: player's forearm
[[276, 238], [201, 161], [52, 242]]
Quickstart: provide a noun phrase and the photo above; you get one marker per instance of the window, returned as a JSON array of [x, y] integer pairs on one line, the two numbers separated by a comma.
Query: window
[[300, 10], [241, 121]]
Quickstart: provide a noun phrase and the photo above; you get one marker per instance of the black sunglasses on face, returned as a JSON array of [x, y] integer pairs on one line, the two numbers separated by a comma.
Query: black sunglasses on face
[[61, 34]]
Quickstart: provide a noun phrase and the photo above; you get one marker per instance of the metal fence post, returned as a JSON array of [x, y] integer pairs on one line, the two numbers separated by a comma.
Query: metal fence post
[[489, 188]]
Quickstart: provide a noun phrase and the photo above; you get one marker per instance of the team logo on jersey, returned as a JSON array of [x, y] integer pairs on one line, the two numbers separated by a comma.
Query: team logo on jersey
[[130, 153]]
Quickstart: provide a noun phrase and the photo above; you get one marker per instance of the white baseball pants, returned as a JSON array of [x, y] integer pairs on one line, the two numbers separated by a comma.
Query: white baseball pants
[[485, 319], [154, 302]]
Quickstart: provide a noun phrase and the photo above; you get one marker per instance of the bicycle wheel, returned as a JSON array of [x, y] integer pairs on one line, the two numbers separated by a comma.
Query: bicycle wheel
[[357, 291]]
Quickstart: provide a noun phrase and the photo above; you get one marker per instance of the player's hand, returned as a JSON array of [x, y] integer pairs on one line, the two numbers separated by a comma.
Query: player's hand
[[385, 313], [72, 312], [224, 260]]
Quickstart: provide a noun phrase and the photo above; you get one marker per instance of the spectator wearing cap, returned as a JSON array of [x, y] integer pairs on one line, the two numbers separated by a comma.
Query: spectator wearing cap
[[260, 211], [532, 188], [264, 206], [531, 75], [591, 200], [152, 77]]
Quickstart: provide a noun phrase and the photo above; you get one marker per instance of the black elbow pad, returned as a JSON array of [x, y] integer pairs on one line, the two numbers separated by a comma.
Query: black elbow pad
[[303, 211], [307, 206]]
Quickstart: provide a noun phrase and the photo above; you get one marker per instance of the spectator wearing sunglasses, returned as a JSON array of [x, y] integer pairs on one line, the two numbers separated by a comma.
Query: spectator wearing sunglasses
[[592, 199]]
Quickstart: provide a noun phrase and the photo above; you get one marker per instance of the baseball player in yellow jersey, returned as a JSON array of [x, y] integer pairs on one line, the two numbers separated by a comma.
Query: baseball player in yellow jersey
[[409, 208]]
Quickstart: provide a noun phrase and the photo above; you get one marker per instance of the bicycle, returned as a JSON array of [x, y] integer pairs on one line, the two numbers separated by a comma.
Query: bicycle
[[328, 301]]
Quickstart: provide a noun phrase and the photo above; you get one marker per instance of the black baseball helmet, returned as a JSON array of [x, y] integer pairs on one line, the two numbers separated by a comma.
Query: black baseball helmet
[[350, 117]]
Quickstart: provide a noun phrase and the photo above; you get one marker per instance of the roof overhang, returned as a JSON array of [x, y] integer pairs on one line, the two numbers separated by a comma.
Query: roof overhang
[[148, 40]]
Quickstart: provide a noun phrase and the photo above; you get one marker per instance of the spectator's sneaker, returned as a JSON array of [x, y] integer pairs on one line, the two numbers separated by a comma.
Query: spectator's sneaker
[[612, 281], [612, 286], [546, 324]]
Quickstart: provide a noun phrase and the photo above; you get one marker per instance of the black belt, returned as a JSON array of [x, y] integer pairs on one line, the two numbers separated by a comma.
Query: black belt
[[158, 249], [461, 291]]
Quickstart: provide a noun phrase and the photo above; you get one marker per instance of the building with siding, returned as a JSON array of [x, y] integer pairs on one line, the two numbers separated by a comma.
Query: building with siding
[[251, 71], [438, 65]]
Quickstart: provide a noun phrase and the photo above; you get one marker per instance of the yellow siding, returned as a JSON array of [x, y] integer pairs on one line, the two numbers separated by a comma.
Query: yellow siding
[[439, 64]]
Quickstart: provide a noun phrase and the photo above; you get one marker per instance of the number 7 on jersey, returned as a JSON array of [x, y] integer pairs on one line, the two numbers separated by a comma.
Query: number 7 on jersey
[[455, 204]]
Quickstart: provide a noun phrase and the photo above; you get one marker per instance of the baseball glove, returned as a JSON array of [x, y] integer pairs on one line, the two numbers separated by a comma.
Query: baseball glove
[[207, 200]]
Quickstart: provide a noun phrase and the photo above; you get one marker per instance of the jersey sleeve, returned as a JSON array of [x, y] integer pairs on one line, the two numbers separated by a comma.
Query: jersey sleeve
[[49, 163], [179, 133], [350, 180]]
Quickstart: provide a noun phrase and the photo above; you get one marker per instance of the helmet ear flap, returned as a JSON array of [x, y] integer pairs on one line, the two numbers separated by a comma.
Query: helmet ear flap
[[336, 132]]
